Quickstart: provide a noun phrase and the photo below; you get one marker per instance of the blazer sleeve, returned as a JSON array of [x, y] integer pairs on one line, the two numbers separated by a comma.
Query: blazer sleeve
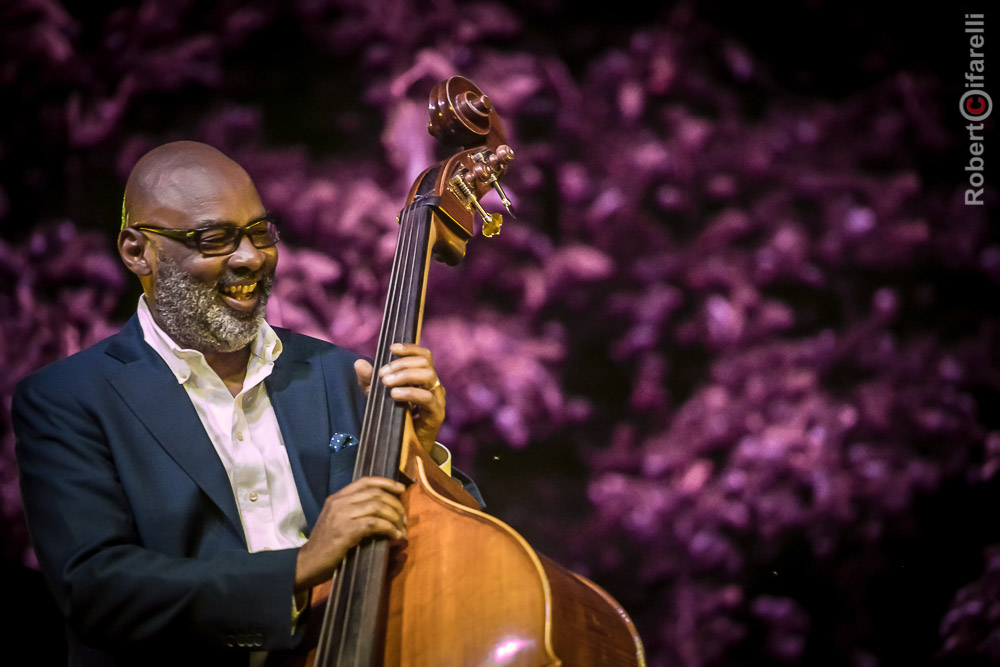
[[109, 587]]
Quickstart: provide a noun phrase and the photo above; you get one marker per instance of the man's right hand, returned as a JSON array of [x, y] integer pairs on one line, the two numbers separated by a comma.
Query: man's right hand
[[366, 507]]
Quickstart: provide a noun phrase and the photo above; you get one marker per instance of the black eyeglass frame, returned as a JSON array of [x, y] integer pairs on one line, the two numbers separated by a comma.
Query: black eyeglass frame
[[193, 237]]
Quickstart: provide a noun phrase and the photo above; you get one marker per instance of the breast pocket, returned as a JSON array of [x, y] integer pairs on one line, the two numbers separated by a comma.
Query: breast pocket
[[343, 454]]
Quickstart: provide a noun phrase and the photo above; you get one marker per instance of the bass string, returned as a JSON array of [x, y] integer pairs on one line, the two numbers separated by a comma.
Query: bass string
[[396, 324], [347, 572], [375, 414], [401, 321], [401, 326], [400, 284]]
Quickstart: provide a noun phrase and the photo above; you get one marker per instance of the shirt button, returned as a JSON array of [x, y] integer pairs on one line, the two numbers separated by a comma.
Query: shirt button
[[239, 435], [253, 496]]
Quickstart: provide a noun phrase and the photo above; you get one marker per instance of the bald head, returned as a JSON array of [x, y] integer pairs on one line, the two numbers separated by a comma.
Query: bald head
[[184, 185], [209, 302], [180, 177]]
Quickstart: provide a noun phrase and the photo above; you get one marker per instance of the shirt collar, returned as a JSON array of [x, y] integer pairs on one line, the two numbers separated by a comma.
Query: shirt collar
[[183, 362]]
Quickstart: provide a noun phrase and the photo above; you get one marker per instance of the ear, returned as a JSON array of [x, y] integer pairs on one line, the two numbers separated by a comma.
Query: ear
[[135, 251]]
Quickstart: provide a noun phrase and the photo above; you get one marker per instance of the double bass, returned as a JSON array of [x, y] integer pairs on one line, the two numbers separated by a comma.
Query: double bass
[[465, 589]]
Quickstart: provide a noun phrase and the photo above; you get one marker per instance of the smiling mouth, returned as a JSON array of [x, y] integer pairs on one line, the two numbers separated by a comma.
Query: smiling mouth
[[239, 292]]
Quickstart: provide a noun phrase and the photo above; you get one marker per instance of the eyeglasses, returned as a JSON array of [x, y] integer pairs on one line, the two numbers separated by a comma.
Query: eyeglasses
[[223, 239]]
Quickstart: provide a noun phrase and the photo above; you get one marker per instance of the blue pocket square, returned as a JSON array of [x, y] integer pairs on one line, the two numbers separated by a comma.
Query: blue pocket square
[[342, 441]]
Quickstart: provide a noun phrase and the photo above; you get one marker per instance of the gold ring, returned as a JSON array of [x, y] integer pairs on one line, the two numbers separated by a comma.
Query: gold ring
[[436, 384]]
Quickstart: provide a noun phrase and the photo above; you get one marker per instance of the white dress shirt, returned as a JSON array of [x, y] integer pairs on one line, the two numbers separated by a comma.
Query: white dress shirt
[[244, 431]]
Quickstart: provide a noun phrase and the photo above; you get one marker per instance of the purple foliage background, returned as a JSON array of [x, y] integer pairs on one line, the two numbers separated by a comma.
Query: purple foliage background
[[736, 361]]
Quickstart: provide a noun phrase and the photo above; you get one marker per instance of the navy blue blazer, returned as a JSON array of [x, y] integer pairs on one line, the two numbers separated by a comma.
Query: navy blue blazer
[[131, 511]]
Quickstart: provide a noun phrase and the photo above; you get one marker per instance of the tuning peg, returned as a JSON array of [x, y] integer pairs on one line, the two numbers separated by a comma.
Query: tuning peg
[[492, 224], [503, 196], [486, 168]]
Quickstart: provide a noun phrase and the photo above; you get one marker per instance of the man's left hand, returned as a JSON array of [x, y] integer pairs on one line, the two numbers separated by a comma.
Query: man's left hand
[[411, 379]]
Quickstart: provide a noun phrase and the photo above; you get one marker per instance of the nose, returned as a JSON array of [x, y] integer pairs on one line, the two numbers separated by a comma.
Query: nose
[[247, 257]]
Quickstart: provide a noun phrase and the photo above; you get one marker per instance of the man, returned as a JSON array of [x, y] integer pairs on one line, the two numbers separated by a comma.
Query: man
[[172, 473]]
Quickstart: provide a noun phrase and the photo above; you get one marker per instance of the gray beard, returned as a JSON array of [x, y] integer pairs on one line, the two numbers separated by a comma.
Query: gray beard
[[195, 316]]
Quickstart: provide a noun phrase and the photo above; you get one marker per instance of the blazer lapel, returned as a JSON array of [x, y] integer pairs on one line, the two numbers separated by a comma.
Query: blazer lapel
[[298, 394], [149, 388]]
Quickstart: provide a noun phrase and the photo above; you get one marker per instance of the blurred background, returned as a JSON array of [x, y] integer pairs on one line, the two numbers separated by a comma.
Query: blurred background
[[736, 361]]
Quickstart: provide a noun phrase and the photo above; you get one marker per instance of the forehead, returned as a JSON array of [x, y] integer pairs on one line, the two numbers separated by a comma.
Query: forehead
[[193, 195]]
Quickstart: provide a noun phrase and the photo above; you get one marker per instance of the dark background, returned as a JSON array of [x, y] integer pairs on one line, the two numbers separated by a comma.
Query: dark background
[[736, 359]]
